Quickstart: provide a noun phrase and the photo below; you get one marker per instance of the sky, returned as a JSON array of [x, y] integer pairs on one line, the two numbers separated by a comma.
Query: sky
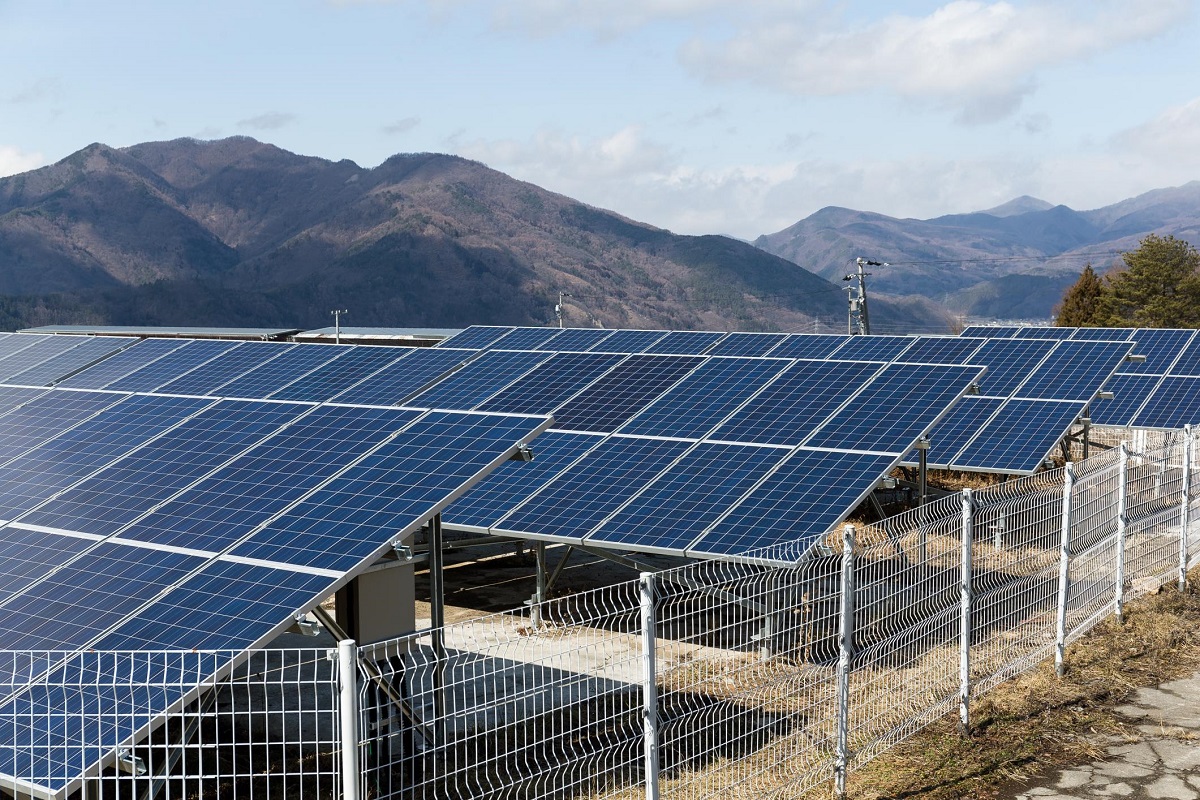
[[700, 116]]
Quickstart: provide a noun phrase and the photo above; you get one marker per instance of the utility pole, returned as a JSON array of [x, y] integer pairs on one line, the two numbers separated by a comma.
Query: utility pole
[[337, 324], [558, 309], [858, 302]]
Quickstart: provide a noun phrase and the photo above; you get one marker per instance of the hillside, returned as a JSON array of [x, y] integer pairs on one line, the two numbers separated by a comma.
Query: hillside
[[1011, 261], [238, 232]]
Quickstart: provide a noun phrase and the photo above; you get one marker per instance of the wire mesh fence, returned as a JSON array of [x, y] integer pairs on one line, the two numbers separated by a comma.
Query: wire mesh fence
[[765, 676]]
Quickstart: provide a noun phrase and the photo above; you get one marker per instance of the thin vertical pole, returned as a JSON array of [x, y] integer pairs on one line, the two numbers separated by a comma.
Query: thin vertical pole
[[649, 686], [964, 642], [1064, 570], [539, 597], [845, 653], [437, 634], [1185, 507], [1122, 532], [347, 652]]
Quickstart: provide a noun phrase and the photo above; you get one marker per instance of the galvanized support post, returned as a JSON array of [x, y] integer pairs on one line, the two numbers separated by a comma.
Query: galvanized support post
[[437, 633], [1185, 507], [1064, 570], [1087, 434], [922, 490], [347, 658], [539, 596], [845, 654], [964, 642], [649, 686], [766, 634], [1122, 532]]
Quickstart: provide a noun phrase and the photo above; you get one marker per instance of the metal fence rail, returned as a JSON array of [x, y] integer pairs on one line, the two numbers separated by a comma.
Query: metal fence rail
[[764, 677]]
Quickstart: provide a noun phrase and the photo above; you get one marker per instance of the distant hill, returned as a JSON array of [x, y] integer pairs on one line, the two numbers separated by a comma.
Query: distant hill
[[1011, 261], [238, 232]]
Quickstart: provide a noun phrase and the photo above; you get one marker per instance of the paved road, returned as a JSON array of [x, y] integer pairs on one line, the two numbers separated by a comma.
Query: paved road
[[1163, 763]]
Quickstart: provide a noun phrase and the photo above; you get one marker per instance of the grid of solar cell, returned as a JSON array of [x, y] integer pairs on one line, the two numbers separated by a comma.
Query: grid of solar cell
[[685, 343], [1045, 332], [205, 379], [801, 500], [16, 342], [629, 387], [551, 384], [1009, 362], [333, 378], [1161, 347], [103, 504], [1069, 373], [1188, 363], [280, 371], [676, 508], [963, 422], [1130, 392], [796, 404], [1173, 404], [476, 337], [593, 488], [872, 348], [576, 340], [479, 380], [121, 364], [501, 491], [1010, 441], [746, 344], [52, 370], [26, 556], [42, 350], [895, 408], [171, 366], [990, 331], [702, 400], [526, 338], [13, 396], [940, 350], [807, 345], [391, 491], [401, 379], [47, 416], [627, 341], [1104, 334]]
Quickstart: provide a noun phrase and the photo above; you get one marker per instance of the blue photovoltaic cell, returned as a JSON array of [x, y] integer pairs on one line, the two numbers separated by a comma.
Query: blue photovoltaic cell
[[895, 409], [628, 388], [476, 337], [957, 427], [347, 370], [689, 496], [121, 493], [13, 396], [808, 345], [25, 556], [810, 493], [1008, 362], [1044, 332], [121, 364], [47, 416], [41, 351], [990, 331], [1019, 436], [282, 370], [390, 491], [513, 481], [628, 341], [746, 344], [1105, 334], [940, 350], [692, 407], [1074, 371], [479, 380], [526, 338], [205, 379], [548, 386], [1188, 363], [1175, 403], [232, 502], [171, 366], [1129, 393], [54, 369], [791, 408], [1160, 346], [574, 502], [576, 339], [226, 605], [15, 342], [53, 466], [871, 348], [398, 381], [684, 343]]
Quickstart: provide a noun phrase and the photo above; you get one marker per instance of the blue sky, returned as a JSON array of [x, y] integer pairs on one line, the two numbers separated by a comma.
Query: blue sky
[[702, 116]]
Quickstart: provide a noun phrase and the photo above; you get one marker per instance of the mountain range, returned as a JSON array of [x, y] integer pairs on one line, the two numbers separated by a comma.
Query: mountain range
[[237, 232]]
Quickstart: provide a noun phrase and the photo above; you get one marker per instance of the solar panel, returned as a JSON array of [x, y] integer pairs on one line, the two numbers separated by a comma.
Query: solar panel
[[940, 350], [628, 341], [13, 396], [1045, 332], [806, 345], [1130, 393], [1009, 362], [1188, 363], [1007, 442], [551, 384], [25, 556], [335, 377], [629, 387], [576, 339], [1070, 372], [1174, 403], [121, 364], [47, 416], [15, 342], [526, 338], [401, 379], [1104, 334], [990, 331], [479, 380], [685, 343], [1161, 347], [207, 378], [52, 370], [476, 337], [171, 366], [746, 344], [280, 371], [41, 351], [872, 348], [957, 428]]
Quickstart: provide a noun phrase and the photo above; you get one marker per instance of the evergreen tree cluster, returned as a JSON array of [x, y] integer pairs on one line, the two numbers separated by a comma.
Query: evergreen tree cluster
[[1157, 287]]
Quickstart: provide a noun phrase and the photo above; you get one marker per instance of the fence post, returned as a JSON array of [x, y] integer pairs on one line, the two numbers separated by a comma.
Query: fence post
[[1122, 532], [845, 652], [348, 717], [1185, 507], [964, 642], [649, 686], [1064, 570]]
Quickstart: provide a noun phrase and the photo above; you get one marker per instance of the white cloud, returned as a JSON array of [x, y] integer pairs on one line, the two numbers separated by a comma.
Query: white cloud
[[13, 160], [268, 122], [1171, 139], [402, 125]]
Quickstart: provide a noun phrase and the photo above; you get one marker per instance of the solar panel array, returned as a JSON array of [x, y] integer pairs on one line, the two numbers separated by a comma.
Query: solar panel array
[[1161, 392]]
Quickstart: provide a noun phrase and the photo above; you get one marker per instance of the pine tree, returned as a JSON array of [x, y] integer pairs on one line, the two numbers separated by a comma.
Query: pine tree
[[1081, 305], [1159, 286]]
